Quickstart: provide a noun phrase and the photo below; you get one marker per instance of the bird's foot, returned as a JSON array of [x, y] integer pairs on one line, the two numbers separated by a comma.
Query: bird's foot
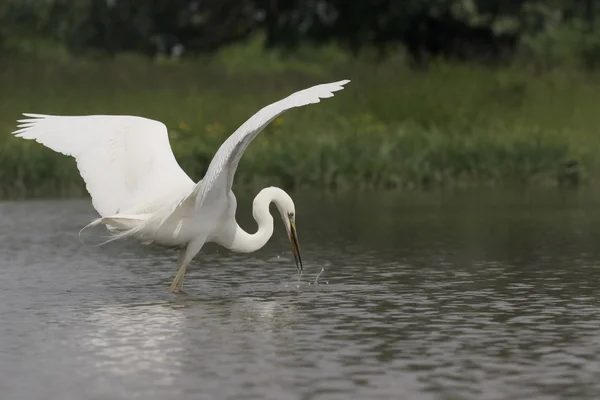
[[177, 284]]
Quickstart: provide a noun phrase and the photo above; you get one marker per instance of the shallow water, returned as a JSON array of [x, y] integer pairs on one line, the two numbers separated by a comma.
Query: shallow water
[[456, 295]]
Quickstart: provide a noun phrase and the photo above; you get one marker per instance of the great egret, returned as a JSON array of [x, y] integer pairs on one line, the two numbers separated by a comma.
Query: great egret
[[140, 191]]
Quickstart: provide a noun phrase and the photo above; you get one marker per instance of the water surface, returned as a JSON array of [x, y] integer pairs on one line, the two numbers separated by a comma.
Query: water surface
[[455, 295]]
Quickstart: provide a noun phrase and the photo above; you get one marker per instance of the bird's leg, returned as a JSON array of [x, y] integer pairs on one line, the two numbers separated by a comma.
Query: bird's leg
[[185, 257], [180, 285], [178, 281]]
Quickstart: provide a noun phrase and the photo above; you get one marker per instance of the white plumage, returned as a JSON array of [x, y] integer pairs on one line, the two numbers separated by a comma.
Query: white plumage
[[140, 191]]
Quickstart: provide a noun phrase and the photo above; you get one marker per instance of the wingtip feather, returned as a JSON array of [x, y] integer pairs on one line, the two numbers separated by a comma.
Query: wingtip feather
[[342, 83], [337, 86], [34, 115]]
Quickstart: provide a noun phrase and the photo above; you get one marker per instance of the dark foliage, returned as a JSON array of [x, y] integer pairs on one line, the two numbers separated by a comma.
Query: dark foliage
[[487, 30]]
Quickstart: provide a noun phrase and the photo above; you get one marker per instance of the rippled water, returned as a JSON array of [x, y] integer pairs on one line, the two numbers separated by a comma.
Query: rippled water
[[464, 295]]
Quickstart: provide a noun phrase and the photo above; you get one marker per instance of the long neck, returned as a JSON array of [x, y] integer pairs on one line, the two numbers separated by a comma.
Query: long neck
[[244, 242]]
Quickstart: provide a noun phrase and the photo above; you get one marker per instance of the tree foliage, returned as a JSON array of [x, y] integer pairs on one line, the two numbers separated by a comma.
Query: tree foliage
[[459, 29]]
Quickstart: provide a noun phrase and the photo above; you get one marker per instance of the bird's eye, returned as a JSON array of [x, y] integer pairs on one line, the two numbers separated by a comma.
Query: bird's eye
[[291, 215]]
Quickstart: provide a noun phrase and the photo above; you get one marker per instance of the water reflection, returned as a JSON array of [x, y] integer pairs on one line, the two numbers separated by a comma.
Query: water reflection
[[158, 339], [134, 339]]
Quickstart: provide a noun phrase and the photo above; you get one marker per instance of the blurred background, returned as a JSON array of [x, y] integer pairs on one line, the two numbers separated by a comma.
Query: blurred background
[[443, 92]]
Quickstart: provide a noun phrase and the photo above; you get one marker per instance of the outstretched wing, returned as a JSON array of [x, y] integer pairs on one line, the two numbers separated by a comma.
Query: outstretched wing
[[222, 168], [126, 162]]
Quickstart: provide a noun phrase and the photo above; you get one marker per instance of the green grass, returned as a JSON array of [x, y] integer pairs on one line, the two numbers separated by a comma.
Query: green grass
[[392, 127]]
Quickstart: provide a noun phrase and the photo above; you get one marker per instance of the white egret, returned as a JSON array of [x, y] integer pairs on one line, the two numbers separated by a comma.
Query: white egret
[[141, 192]]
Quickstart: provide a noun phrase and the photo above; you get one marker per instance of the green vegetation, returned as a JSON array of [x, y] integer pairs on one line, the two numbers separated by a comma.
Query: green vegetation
[[391, 127]]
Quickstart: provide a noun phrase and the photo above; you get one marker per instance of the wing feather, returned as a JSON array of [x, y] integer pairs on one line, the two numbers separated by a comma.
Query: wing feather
[[126, 162], [221, 170]]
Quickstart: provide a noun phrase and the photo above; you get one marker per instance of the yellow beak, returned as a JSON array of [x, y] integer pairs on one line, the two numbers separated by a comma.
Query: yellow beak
[[295, 246]]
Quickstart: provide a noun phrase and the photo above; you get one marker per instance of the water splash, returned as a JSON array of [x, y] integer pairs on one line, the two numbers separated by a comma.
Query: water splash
[[318, 275]]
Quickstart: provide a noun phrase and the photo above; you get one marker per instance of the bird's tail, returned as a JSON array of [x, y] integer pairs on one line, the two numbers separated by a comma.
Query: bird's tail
[[119, 226]]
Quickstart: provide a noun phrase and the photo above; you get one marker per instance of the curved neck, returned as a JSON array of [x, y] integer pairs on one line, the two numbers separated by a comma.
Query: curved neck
[[244, 242]]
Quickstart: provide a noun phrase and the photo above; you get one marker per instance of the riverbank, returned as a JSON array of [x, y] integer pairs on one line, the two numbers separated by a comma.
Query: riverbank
[[454, 125]]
